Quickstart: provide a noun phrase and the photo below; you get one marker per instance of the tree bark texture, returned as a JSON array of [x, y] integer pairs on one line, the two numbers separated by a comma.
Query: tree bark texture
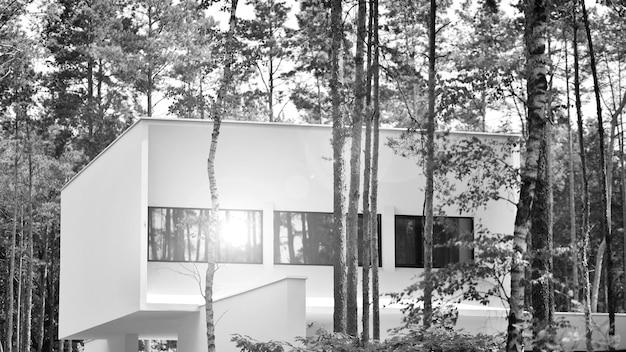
[[216, 114], [366, 245], [541, 225], [571, 187], [606, 220], [585, 211], [374, 193], [10, 301], [430, 169], [28, 299], [355, 172], [338, 140], [535, 41]]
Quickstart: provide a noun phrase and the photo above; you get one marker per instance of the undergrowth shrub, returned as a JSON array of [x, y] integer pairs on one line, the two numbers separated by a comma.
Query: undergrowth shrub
[[431, 340]]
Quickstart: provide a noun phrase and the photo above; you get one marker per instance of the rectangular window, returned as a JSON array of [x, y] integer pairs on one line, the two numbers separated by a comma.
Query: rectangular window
[[409, 241], [179, 235], [307, 238]]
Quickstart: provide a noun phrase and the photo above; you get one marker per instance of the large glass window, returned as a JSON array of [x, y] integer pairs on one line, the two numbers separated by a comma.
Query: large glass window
[[179, 235], [409, 241], [307, 238]]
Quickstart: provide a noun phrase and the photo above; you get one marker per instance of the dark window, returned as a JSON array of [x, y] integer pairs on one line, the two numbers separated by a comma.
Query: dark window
[[307, 238], [179, 235], [446, 231]]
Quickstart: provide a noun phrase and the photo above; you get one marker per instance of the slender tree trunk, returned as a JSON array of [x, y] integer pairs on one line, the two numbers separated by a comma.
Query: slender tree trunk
[[20, 274], [44, 292], [366, 245], [291, 250], [571, 188], [216, 114], [597, 276], [430, 169], [270, 97], [100, 77], [374, 193], [537, 84], [606, 220], [339, 262], [585, 194], [623, 176], [10, 300], [149, 77], [355, 172], [28, 299]]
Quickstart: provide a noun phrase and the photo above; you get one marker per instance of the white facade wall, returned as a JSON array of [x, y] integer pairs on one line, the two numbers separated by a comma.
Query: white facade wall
[[274, 167], [102, 251]]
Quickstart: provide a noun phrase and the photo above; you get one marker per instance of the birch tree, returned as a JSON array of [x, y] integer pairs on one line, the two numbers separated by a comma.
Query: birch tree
[[606, 204], [366, 243], [536, 71], [338, 143], [216, 115], [374, 171], [585, 227], [355, 171], [430, 168]]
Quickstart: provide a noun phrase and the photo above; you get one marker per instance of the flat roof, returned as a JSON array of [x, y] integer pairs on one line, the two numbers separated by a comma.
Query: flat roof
[[257, 123]]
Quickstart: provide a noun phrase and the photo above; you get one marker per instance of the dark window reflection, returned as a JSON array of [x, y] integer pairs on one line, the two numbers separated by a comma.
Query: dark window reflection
[[446, 232], [307, 238], [179, 235]]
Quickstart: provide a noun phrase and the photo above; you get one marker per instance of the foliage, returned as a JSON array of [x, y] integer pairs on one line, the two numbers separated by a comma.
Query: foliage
[[269, 49], [481, 166], [312, 61], [431, 340], [470, 172], [480, 280]]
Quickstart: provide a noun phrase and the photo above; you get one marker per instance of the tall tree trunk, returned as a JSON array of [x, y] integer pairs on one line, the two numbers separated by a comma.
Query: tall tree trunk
[[28, 299], [597, 277], [374, 193], [606, 203], [149, 78], [270, 97], [366, 244], [535, 14], [10, 300], [623, 176], [430, 169], [571, 186], [355, 172], [542, 252], [43, 283], [542, 236], [291, 250], [216, 115], [338, 140], [20, 273], [584, 251]]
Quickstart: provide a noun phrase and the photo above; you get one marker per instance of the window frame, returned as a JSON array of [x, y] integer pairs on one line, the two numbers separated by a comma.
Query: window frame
[[208, 210], [276, 242], [420, 241]]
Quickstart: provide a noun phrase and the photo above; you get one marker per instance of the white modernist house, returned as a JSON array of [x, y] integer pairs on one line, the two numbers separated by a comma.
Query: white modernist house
[[133, 224]]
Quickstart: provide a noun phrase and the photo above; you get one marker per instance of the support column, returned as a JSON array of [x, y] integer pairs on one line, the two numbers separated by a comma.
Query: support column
[[388, 240]]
